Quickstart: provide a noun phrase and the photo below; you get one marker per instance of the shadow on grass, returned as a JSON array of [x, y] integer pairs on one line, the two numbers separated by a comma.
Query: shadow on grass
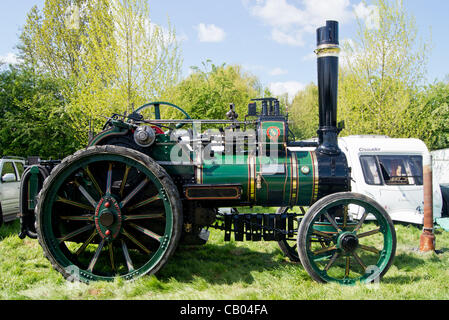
[[9, 229], [220, 264]]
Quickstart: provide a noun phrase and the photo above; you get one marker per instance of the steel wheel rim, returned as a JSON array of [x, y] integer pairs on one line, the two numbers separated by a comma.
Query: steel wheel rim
[[324, 259], [64, 255]]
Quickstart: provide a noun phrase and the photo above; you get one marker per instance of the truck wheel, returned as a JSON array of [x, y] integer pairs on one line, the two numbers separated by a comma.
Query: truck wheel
[[108, 212], [346, 238]]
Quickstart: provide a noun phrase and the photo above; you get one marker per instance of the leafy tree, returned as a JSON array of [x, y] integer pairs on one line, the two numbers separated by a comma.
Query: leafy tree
[[208, 91], [430, 114], [33, 121], [303, 113], [381, 71], [115, 57]]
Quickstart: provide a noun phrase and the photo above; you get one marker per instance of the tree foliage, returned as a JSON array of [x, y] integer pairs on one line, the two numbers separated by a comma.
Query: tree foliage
[[34, 121], [208, 91], [380, 73], [115, 57], [303, 113], [429, 114]]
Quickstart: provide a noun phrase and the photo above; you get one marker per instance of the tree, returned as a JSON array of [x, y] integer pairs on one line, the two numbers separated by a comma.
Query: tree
[[381, 71], [34, 121], [115, 57], [208, 91], [303, 113], [430, 114]]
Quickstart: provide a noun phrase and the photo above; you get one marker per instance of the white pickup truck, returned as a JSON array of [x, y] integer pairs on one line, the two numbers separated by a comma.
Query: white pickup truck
[[11, 169]]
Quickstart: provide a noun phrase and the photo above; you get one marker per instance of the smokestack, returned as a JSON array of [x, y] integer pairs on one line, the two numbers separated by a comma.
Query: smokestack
[[327, 53]]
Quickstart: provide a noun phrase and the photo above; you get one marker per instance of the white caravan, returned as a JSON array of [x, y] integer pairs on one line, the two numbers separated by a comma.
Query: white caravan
[[390, 171]]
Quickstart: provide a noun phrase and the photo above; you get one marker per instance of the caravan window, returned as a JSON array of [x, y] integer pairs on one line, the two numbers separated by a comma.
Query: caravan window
[[394, 169], [370, 170]]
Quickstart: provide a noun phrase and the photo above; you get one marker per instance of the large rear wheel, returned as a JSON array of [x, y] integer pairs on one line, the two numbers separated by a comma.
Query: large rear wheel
[[108, 212]]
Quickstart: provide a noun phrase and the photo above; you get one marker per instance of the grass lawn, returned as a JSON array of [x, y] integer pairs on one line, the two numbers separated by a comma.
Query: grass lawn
[[226, 270]]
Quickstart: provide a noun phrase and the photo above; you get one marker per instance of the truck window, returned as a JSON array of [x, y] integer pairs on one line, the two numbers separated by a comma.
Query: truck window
[[20, 168], [401, 169], [8, 167], [370, 170]]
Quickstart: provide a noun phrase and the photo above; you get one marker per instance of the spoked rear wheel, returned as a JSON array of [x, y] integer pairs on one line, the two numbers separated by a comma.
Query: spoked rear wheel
[[108, 212], [346, 238]]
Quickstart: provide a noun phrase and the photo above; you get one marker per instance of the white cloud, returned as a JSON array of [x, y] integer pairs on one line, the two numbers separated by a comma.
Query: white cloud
[[370, 14], [210, 33], [309, 57], [289, 87], [9, 58], [290, 22], [278, 72]]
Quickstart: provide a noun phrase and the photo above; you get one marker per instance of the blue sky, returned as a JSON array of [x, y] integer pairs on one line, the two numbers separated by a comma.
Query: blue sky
[[273, 39]]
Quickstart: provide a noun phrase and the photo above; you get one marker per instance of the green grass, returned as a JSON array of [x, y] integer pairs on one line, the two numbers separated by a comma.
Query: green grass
[[226, 270]]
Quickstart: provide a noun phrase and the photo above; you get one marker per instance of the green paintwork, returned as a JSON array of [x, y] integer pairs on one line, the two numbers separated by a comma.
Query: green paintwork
[[273, 131], [33, 187], [116, 130], [383, 257], [272, 178], [49, 222], [158, 104]]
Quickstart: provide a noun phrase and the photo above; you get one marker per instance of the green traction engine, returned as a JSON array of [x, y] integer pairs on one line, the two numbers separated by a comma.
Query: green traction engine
[[144, 185]]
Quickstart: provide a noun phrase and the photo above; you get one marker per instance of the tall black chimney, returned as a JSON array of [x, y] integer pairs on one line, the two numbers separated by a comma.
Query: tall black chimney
[[327, 52]]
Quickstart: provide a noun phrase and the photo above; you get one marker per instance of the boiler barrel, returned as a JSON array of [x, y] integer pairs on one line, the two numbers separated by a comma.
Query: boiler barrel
[[292, 180]]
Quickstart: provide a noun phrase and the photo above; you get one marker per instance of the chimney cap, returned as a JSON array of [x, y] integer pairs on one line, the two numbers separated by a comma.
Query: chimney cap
[[328, 34]]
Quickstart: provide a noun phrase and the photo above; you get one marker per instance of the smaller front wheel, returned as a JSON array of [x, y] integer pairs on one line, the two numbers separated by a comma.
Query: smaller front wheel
[[346, 238]]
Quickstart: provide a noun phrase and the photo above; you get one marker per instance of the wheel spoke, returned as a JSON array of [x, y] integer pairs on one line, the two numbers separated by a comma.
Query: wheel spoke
[[144, 216], [359, 261], [111, 256], [75, 233], [125, 178], [86, 194], [109, 179], [96, 255], [145, 202], [76, 204], [78, 218], [369, 248], [332, 221], [368, 233], [359, 225], [129, 262], [332, 261], [348, 266], [146, 232], [134, 192], [136, 242], [94, 181], [322, 234], [327, 249], [345, 216], [85, 244]]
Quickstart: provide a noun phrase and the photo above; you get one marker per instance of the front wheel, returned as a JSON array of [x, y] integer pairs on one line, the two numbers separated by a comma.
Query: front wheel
[[346, 238]]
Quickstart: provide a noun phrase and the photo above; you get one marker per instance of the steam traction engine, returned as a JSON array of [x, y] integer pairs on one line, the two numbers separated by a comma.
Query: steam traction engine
[[121, 206]]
